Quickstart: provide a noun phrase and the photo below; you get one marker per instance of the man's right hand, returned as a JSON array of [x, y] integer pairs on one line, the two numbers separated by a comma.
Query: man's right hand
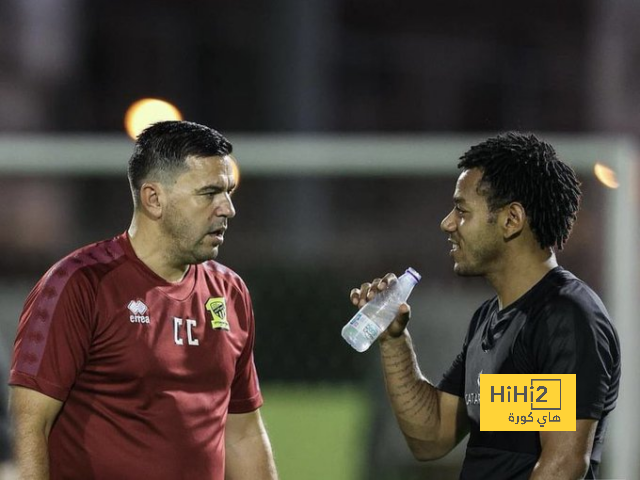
[[360, 296]]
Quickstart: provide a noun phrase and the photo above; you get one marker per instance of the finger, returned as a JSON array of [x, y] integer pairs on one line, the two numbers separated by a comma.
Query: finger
[[389, 279], [364, 293], [404, 308], [354, 296], [404, 314], [399, 324], [375, 288], [364, 290]]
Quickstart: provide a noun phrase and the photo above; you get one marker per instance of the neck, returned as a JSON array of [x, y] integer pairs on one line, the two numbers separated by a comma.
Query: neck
[[520, 273], [147, 243]]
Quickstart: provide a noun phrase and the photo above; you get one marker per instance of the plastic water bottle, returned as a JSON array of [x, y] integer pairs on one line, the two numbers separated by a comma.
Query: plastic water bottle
[[374, 318]]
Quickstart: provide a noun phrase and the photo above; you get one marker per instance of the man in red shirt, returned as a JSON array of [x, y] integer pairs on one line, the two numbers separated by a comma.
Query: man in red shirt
[[134, 356]]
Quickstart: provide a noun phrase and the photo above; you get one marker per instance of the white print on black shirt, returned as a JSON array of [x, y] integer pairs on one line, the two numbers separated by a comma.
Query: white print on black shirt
[[473, 398]]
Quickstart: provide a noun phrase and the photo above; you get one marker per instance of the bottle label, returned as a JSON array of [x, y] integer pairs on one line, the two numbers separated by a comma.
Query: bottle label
[[368, 327]]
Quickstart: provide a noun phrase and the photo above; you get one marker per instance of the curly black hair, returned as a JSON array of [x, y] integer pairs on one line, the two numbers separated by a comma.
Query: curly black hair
[[518, 167]]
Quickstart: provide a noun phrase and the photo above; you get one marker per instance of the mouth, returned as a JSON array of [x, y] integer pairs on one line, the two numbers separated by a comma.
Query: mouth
[[454, 246], [217, 234]]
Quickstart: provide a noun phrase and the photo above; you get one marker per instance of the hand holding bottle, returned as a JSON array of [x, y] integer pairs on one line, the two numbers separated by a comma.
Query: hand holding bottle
[[383, 309]]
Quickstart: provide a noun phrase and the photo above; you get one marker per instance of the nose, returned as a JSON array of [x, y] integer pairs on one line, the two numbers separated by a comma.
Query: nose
[[226, 208], [448, 225]]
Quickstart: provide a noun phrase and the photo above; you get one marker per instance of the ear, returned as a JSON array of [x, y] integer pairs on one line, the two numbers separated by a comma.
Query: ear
[[152, 199], [513, 220]]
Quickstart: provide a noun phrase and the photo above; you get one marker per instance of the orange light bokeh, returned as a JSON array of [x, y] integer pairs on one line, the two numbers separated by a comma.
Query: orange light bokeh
[[606, 175], [147, 111], [236, 170]]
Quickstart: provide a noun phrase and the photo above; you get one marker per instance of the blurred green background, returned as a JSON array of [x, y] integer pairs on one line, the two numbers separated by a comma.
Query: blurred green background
[[317, 432]]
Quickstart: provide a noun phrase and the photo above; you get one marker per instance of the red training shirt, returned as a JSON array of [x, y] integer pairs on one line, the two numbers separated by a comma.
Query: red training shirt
[[147, 369]]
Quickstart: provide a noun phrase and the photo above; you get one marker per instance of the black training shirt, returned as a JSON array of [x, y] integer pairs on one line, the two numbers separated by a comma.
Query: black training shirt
[[559, 326]]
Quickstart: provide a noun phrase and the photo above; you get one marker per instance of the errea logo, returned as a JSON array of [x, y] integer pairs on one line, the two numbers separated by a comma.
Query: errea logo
[[138, 310]]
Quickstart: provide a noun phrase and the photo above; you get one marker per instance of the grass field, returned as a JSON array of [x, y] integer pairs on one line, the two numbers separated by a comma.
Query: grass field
[[317, 432]]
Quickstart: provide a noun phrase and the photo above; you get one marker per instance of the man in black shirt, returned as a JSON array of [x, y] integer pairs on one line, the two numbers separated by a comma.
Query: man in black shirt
[[515, 202]]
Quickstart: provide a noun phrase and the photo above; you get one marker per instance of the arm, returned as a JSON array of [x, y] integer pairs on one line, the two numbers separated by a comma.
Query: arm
[[433, 422], [248, 450], [575, 337], [33, 415], [565, 454]]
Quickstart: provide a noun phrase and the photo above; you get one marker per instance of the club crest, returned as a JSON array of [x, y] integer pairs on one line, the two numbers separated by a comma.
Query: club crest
[[217, 307]]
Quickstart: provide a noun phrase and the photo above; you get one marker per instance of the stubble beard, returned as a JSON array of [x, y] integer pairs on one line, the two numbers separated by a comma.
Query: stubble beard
[[479, 262], [466, 270], [183, 249]]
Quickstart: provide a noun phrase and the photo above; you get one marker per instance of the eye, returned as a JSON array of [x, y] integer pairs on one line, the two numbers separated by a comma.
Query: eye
[[209, 195], [459, 210]]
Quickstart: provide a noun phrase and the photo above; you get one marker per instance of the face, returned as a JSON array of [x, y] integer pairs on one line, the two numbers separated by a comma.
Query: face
[[476, 241], [198, 207]]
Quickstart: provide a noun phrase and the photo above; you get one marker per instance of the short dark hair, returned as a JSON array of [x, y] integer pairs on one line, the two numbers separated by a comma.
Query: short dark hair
[[518, 167], [162, 148]]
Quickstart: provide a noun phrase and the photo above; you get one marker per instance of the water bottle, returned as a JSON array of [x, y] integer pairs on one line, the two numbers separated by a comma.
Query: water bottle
[[374, 318]]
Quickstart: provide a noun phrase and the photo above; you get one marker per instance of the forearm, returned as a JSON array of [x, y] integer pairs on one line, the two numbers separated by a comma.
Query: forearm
[[566, 455], [251, 459], [565, 468], [31, 454], [33, 416], [414, 400]]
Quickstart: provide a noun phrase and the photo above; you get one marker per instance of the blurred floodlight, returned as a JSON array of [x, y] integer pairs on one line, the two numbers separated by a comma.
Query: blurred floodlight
[[606, 175], [144, 112], [236, 170]]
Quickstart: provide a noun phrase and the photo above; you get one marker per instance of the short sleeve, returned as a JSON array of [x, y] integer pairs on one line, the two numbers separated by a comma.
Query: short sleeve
[[54, 334], [453, 380], [576, 339], [245, 389]]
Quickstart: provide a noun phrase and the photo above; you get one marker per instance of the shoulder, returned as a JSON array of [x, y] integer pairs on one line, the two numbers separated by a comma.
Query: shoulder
[[568, 307], [84, 267], [569, 299], [568, 330], [225, 274], [565, 285], [73, 283]]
